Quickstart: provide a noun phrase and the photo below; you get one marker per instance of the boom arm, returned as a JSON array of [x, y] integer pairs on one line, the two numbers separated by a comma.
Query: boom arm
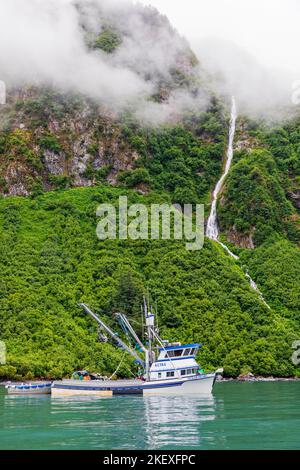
[[131, 330], [120, 343]]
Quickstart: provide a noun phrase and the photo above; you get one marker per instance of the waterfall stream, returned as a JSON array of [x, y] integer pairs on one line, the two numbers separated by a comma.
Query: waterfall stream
[[212, 228]]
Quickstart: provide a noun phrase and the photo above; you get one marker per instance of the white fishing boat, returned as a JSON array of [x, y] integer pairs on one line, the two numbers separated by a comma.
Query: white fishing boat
[[169, 368]]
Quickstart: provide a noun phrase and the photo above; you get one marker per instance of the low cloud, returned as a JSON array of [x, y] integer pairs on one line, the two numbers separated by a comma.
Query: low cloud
[[260, 90], [250, 47], [43, 42]]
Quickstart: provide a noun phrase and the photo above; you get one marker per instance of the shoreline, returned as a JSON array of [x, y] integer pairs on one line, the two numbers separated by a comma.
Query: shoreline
[[220, 379], [259, 379]]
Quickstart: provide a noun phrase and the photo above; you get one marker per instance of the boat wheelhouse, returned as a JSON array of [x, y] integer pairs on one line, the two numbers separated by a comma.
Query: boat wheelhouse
[[175, 361]]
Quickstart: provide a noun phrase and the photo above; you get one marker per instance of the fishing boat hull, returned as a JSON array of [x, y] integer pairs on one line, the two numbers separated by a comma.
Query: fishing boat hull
[[200, 384]]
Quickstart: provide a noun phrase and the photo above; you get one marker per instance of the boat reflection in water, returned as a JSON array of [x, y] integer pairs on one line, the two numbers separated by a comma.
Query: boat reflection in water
[[174, 422]]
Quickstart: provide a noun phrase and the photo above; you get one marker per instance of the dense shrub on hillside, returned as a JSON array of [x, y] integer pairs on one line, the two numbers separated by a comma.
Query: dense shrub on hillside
[[180, 162], [17, 146], [275, 266], [253, 200], [49, 142], [51, 259], [108, 40]]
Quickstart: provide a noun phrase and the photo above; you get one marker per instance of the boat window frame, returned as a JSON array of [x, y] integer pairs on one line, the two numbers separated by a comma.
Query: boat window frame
[[169, 353], [170, 374], [178, 352], [187, 352]]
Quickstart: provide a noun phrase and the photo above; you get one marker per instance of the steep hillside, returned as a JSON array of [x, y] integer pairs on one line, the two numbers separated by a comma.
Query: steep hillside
[[260, 197], [51, 259], [55, 141], [59, 134]]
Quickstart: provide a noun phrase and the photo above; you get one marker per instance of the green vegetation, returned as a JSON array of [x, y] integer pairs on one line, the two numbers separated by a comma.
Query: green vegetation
[[133, 178], [255, 201], [47, 104], [50, 142], [17, 146], [261, 194], [184, 160], [60, 181], [51, 259], [285, 146], [275, 266], [108, 40]]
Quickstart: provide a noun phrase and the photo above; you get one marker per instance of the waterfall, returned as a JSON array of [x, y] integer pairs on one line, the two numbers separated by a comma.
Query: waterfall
[[212, 228]]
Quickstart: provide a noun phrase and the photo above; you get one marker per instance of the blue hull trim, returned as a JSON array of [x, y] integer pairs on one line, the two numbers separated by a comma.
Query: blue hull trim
[[118, 390], [126, 389]]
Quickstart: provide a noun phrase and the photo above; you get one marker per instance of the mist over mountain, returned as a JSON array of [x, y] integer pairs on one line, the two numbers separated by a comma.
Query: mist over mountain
[[252, 44], [118, 53], [261, 92]]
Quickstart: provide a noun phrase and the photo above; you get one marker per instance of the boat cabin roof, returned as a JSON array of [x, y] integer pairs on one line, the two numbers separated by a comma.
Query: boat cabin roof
[[183, 346]]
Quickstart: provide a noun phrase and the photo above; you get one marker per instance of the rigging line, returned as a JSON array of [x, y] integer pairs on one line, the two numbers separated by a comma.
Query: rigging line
[[160, 342], [118, 366]]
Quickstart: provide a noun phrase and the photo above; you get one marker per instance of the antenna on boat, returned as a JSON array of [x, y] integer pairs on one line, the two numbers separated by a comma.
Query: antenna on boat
[[156, 313], [143, 323]]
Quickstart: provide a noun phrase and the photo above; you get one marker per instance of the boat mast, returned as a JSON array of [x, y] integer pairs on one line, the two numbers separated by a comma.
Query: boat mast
[[149, 317], [120, 343]]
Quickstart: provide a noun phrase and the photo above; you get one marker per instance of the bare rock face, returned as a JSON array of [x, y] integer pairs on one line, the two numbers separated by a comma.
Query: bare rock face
[[54, 163], [16, 180], [242, 241], [246, 377], [18, 189], [70, 146], [295, 197]]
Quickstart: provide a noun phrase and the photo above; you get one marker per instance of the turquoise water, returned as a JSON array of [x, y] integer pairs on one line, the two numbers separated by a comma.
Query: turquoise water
[[237, 416]]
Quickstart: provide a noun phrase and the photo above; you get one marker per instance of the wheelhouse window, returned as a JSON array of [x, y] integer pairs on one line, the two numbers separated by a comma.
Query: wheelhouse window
[[174, 353], [188, 372], [187, 352], [169, 354], [178, 352], [170, 374], [159, 375]]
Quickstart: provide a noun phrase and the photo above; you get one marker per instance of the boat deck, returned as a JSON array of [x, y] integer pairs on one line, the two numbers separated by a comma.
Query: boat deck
[[97, 387], [101, 383]]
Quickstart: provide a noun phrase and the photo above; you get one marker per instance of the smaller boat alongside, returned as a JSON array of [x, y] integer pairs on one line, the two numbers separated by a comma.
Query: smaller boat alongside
[[29, 389]]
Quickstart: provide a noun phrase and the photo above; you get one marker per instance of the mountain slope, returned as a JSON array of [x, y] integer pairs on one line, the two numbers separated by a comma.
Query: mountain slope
[[144, 122], [51, 259]]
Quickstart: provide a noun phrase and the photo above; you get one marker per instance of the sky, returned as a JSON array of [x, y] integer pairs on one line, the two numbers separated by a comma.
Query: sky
[[252, 46], [267, 29]]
